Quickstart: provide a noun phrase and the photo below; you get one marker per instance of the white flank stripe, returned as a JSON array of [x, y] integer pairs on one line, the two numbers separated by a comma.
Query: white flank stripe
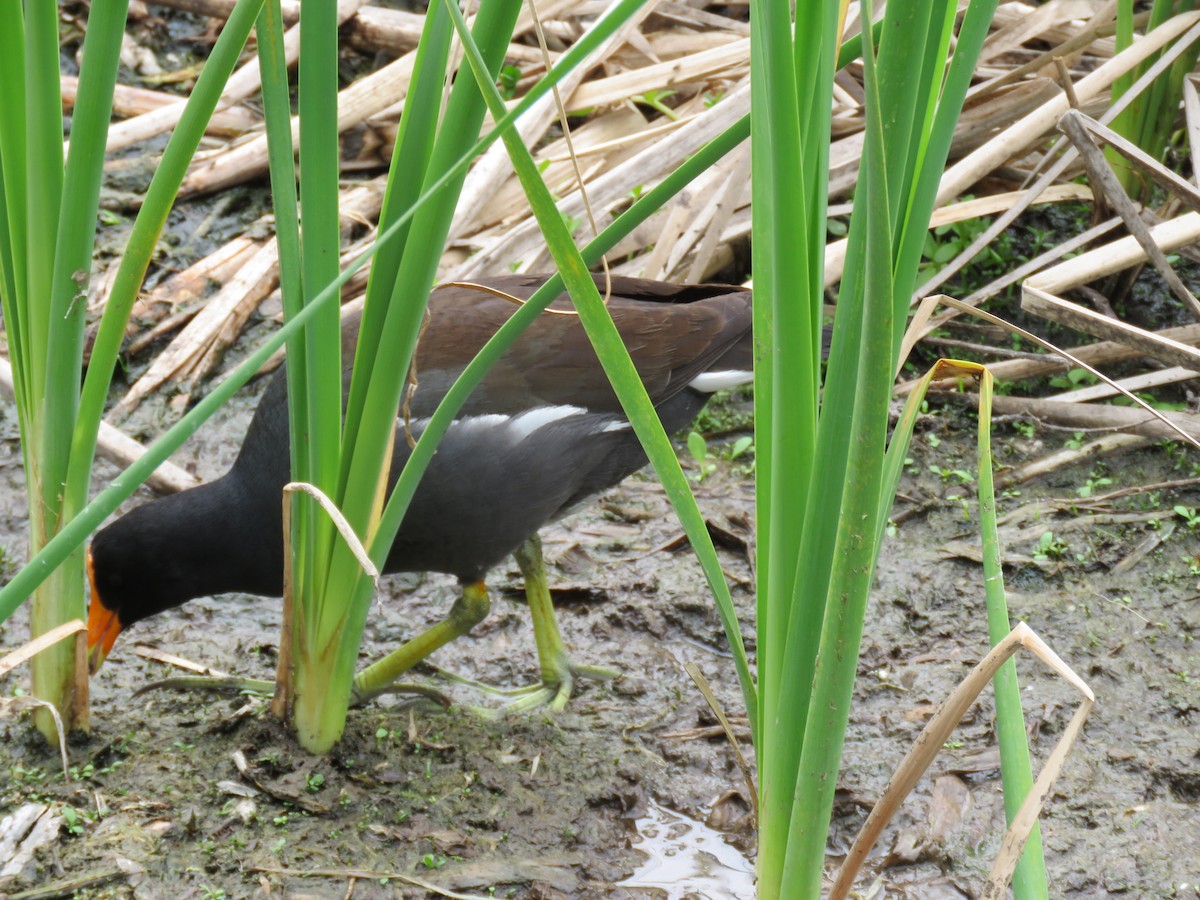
[[491, 420], [708, 382], [523, 425], [528, 422]]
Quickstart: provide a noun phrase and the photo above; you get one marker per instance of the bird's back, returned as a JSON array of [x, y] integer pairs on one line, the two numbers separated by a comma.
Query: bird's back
[[543, 431]]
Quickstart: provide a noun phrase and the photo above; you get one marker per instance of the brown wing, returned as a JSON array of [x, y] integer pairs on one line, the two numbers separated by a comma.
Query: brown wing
[[672, 332]]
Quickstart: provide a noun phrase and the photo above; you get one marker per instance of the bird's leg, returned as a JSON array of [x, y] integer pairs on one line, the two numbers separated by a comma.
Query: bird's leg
[[378, 678], [558, 670]]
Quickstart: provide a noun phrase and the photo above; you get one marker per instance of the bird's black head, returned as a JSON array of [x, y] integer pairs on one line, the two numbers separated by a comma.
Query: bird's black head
[[134, 573], [167, 552]]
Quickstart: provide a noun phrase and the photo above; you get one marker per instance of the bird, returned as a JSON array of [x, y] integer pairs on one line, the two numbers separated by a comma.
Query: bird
[[540, 434]]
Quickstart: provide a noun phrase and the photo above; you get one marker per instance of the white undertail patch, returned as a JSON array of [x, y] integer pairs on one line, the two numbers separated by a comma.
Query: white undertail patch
[[710, 382]]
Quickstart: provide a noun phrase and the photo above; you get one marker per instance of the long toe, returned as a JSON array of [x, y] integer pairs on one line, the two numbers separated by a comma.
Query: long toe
[[360, 697], [225, 684], [558, 685]]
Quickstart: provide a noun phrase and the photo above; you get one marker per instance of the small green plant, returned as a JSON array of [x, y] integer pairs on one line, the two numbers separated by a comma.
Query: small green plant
[[212, 893], [1094, 481], [962, 475], [433, 860], [740, 447], [655, 100], [698, 448], [72, 820], [314, 782], [1049, 547], [1190, 516], [20, 774], [1073, 378], [272, 758], [945, 242], [507, 82], [1074, 443]]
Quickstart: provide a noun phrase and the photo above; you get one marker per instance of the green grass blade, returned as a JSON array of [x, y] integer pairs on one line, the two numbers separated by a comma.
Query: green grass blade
[[144, 237], [854, 547], [77, 235], [320, 387], [410, 163], [976, 23], [44, 183], [13, 263], [319, 228], [782, 319], [284, 201], [1029, 879], [277, 113], [791, 85]]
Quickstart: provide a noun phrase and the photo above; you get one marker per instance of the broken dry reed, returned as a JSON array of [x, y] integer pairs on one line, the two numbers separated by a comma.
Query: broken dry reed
[[934, 736]]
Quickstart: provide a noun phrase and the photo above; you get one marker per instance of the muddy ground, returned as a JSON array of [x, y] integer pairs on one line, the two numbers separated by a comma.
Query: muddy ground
[[574, 805]]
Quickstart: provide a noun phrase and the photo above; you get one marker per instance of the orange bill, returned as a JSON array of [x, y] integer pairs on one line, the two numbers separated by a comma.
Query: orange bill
[[103, 627]]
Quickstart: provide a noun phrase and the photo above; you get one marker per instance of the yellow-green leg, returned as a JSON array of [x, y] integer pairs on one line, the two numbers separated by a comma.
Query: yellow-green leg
[[379, 678], [557, 669]]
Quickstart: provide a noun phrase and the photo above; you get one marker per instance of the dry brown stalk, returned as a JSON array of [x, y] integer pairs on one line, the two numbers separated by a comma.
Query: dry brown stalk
[[483, 204], [197, 350], [1030, 130], [523, 244], [118, 448], [1090, 416], [134, 101], [1146, 343]]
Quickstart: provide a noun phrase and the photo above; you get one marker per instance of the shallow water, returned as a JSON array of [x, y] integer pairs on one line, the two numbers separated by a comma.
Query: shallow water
[[687, 859]]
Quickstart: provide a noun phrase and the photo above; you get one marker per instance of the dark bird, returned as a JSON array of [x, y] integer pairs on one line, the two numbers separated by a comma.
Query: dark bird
[[540, 434]]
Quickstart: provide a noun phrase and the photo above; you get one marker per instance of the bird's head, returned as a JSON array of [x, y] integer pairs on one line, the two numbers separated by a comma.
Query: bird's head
[[142, 564]]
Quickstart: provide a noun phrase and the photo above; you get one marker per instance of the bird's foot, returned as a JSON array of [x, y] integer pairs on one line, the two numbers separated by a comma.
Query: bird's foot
[[361, 696], [225, 684], [557, 685]]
